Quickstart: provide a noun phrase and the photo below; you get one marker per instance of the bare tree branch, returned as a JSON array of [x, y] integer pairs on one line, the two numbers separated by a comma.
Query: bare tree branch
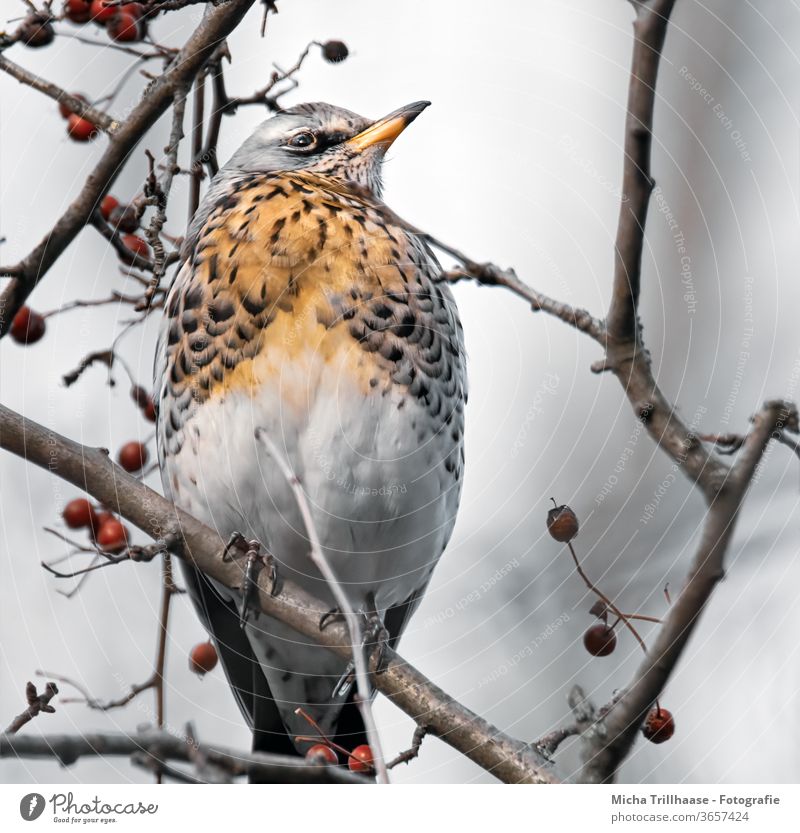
[[76, 105], [649, 29], [162, 746], [214, 28], [317, 556], [91, 470], [607, 750]]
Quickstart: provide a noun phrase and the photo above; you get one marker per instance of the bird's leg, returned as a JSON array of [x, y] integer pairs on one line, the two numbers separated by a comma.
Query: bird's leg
[[345, 683], [256, 558], [375, 634], [237, 541]]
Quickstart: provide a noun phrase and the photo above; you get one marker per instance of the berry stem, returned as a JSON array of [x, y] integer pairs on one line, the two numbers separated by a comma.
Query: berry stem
[[300, 738], [602, 596]]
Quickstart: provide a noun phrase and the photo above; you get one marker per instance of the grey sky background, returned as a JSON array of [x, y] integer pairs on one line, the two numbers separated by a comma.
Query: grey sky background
[[519, 161]]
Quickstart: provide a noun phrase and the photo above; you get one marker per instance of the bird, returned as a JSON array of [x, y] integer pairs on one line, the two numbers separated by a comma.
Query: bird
[[305, 309]]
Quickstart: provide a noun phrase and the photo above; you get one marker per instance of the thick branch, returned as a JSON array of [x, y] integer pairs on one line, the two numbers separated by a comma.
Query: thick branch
[[649, 29], [608, 749], [90, 469], [161, 746], [215, 27]]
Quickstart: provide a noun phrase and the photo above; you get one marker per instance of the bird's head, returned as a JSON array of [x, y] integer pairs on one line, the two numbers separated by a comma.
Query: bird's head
[[325, 140]]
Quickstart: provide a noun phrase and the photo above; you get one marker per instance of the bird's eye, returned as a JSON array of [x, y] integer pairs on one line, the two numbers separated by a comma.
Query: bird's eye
[[302, 140]]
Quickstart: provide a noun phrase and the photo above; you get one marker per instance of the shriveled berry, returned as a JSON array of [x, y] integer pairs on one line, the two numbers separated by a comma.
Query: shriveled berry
[[322, 753], [562, 523], [140, 395], [202, 658], [133, 456], [124, 218], [112, 536], [79, 129], [108, 204], [149, 411], [104, 516], [36, 30], [79, 513], [78, 11], [334, 51], [659, 725], [600, 640], [136, 245], [101, 13], [27, 326], [360, 759], [125, 27]]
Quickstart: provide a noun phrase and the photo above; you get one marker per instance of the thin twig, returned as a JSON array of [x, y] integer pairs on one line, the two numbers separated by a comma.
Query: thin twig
[[413, 751], [216, 25], [37, 703], [353, 621], [158, 191], [602, 596], [76, 105]]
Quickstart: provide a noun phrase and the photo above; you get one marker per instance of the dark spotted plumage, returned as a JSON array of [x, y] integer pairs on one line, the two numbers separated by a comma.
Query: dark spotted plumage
[[305, 308]]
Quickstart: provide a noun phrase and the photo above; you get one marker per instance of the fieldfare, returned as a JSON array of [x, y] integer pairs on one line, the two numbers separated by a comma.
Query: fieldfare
[[305, 308]]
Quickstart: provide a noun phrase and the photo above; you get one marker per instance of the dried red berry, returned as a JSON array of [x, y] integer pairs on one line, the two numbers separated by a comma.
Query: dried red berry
[[79, 513], [562, 523], [101, 13], [136, 245], [600, 640], [334, 51], [125, 27], [140, 396], [202, 658], [112, 536], [104, 515], [322, 753], [78, 11], [36, 30], [659, 725], [133, 456], [79, 129], [27, 326], [360, 759], [108, 204], [149, 411]]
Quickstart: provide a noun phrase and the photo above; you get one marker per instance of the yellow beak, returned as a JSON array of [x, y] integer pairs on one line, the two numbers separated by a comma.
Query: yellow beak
[[386, 130]]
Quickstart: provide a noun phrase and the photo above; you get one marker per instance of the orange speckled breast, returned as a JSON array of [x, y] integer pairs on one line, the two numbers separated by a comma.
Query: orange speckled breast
[[294, 270]]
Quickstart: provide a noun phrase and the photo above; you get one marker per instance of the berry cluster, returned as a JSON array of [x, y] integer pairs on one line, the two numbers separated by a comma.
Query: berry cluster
[[104, 528], [359, 759], [125, 219], [600, 640], [124, 23]]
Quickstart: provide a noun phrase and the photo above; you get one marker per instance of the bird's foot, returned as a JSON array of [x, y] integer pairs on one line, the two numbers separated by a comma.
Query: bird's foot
[[342, 688], [332, 615], [376, 637], [256, 559]]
